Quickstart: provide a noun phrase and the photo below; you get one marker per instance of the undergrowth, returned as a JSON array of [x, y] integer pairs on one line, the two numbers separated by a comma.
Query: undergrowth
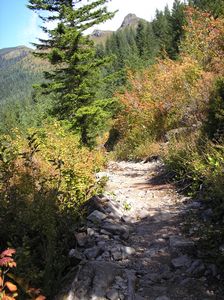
[[175, 110], [45, 178]]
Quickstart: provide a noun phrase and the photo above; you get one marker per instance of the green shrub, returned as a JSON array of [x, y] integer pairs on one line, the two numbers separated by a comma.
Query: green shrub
[[214, 126]]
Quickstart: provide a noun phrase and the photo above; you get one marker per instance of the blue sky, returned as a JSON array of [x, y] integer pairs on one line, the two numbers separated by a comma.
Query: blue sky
[[19, 25]]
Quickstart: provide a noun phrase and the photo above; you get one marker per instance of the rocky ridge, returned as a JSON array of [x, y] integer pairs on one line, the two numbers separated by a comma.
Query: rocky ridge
[[132, 247], [130, 21]]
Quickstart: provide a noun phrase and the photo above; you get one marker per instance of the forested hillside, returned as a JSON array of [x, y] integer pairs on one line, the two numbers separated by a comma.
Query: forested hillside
[[19, 71], [150, 90]]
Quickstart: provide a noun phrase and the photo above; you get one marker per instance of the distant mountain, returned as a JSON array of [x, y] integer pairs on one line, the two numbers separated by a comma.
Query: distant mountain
[[10, 56], [100, 36], [19, 70], [130, 21]]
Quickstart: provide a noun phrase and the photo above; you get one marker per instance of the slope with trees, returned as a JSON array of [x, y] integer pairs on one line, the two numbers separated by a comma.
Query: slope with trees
[[45, 174], [158, 85]]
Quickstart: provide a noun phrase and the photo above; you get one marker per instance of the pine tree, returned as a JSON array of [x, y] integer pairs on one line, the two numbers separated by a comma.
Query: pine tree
[[152, 46], [162, 30], [177, 21], [141, 39], [73, 80]]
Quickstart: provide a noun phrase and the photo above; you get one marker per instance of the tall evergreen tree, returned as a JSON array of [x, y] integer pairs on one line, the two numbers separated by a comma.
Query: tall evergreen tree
[[73, 80], [162, 29], [177, 21], [141, 38]]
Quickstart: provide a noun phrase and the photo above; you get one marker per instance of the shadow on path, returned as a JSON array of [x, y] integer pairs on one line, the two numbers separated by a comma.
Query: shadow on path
[[132, 247]]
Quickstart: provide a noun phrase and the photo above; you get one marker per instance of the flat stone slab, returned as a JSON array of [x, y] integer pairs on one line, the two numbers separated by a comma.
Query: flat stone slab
[[115, 228], [96, 216], [98, 276], [92, 253], [177, 241], [181, 261]]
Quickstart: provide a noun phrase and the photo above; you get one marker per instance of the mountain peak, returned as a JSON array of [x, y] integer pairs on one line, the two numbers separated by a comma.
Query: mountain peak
[[129, 20]]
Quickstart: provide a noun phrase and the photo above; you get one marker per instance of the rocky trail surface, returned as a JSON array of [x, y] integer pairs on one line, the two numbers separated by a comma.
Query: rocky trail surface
[[132, 247]]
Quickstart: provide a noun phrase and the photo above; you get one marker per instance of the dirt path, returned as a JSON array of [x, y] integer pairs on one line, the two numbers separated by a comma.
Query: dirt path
[[132, 246]]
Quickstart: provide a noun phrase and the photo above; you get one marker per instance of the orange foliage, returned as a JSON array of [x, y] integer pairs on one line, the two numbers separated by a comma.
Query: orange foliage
[[167, 95], [8, 290], [204, 39]]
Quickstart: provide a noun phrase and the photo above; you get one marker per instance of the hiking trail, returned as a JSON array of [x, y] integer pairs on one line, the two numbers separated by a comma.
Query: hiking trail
[[132, 246]]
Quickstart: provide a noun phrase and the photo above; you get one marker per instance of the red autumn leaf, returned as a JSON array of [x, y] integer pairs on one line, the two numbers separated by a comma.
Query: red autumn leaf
[[8, 252], [12, 287], [5, 261]]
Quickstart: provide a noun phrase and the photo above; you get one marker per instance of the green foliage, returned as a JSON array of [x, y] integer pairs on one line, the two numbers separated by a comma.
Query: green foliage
[[162, 29], [74, 81], [177, 22], [91, 120], [19, 71], [45, 178], [23, 114], [146, 41], [214, 126], [199, 167], [137, 47]]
